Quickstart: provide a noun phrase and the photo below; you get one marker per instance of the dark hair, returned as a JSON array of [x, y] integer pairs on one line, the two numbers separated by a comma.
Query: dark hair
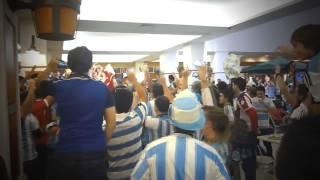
[[261, 88], [240, 82], [171, 77], [43, 90], [227, 93], [302, 91], [80, 59], [220, 122], [157, 90], [222, 85], [162, 103], [123, 99], [183, 131], [309, 36], [252, 91], [297, 156], [196, 87], [21, 78]]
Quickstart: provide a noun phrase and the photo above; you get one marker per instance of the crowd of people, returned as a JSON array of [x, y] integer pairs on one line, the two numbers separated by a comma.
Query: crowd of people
[[81, 127]]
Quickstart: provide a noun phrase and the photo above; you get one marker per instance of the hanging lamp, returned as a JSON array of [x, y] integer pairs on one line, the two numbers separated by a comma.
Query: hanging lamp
[[56, 20]]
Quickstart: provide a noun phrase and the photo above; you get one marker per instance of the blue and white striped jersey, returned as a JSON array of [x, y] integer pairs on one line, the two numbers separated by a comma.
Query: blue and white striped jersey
[[151, 105], [125, 146], [223, 151], [146, 132], [180, 156], [159, 127]]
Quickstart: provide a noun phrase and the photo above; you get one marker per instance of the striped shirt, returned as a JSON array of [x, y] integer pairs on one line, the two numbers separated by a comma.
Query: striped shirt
[[179, 156], [228, 111], [160, 127], [125, 146], [28, 125], [242, 104], [146, 132], [151, 105]]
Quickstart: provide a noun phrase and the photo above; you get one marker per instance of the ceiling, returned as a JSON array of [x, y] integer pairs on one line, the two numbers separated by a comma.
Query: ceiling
[[127, 30], [211, 13]]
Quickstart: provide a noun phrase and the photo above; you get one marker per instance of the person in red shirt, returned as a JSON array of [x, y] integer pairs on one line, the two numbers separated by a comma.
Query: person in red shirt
[[109, 77], [41, 110]]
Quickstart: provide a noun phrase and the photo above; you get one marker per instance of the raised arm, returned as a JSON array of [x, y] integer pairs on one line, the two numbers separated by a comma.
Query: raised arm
[[28, 76], [166, 91], [147, 78], [184, 79], [290, 98], [207, 99], [26, 107], [138, 87], [110, 118], [51, 67]]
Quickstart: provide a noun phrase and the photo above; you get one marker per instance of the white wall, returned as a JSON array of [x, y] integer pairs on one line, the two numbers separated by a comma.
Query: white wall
[[26, 30], [168, 62], [265, 37], [217, 66]]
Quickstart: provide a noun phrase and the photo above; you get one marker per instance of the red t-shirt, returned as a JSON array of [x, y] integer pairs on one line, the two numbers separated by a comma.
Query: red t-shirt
[[246, 111], [41, 111], [109, 81]]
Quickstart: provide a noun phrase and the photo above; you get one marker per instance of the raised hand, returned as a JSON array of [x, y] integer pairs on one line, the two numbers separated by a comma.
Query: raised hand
[[203, 73], [31, 84], [185, 73], [132, 77], [34, 68], [53, 65], [162, 80]]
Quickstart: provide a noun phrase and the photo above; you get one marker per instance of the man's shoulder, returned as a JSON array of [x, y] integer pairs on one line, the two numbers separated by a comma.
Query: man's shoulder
[[160, 141], [141, 106], [204, 145]]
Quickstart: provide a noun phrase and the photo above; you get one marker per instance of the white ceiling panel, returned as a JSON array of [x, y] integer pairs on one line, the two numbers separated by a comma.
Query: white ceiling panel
[[214, 13], [104, 41]]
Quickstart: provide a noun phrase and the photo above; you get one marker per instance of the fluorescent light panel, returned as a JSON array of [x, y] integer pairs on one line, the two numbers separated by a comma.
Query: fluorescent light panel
[[219, 13], [115, 58], [105, 41]]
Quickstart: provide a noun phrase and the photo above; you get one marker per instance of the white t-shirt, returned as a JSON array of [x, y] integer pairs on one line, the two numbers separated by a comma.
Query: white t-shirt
[[228, 111], [29, 124]]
